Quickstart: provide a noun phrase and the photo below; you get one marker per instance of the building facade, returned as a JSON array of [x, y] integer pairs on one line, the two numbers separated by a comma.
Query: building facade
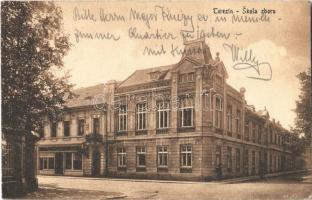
[[181, 121]]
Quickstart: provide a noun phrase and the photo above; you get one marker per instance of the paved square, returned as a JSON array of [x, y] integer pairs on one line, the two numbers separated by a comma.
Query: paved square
[[297, 186]]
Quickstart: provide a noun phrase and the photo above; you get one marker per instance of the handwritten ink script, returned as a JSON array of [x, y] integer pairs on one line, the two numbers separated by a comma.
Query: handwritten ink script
[[148, 25], [161, 29], [245, 59]]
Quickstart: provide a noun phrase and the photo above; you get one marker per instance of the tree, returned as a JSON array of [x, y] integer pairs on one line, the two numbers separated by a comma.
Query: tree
[[303, 109], [33, 46]]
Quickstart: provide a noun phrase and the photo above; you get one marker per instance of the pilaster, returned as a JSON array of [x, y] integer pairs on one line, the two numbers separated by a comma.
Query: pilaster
[[198, 98], [174, 102]]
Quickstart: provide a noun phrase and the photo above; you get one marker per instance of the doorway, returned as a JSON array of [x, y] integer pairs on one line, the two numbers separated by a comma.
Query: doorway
[[59, 163], [96, 163]]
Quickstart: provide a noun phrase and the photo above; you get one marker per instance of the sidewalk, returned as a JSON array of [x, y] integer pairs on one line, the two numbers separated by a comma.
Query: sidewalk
[[251, 178], [225, 181]]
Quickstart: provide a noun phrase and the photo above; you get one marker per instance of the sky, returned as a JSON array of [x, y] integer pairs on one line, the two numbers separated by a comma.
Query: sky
[[283, 42]]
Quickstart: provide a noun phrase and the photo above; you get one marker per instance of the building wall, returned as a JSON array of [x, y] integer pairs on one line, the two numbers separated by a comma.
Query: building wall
[[152, 171], [205, 83]]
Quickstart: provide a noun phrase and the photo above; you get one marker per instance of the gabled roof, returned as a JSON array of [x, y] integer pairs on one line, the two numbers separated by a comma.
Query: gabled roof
[[195, 51], [143, 75], [86, 96]]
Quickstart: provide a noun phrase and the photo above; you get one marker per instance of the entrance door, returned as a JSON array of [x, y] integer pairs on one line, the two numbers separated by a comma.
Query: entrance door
[[59, 163], [96, 157]]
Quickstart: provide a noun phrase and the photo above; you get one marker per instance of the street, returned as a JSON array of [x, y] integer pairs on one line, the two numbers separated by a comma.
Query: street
[[296, 186]]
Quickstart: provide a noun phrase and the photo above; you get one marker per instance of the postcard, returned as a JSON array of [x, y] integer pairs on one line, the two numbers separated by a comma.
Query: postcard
[[156, 99]]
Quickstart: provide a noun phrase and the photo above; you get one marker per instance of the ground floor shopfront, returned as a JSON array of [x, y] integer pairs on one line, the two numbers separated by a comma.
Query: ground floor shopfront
[[72, 160], [185, 158]]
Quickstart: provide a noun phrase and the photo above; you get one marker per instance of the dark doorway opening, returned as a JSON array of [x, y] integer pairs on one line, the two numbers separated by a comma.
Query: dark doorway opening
[[59, 163], [96, 163]]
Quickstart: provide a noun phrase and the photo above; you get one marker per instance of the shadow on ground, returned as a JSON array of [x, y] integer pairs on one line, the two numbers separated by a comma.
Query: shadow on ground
[[51, 192]]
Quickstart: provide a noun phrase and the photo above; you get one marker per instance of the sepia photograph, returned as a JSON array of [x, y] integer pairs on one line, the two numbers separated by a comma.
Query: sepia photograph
[[157, 100]]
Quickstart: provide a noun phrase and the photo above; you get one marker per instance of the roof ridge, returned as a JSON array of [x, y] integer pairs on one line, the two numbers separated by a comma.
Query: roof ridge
[[90, 86]]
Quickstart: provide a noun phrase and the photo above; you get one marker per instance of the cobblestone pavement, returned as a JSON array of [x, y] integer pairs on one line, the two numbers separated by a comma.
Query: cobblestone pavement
[[297, 186]]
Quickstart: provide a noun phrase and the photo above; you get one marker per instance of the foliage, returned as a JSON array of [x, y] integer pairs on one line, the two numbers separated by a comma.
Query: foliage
[[303, 109], [33, 46]]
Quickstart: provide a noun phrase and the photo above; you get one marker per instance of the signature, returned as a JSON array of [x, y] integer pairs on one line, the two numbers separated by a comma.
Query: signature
[[246, 60]]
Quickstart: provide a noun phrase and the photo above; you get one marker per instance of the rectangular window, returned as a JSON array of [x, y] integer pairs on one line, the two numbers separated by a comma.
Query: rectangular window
[[218, 155], [53, 129], [270, 158], [265, 136], [218, 112], [40, 163], [206, 100], [182, 78], [141, 116], [81, 127], [254, 132], [121, 154], [68, 160], [141, 157], [73, 160], [162, 156], [238, 160], [96, 126], [66, 128], [122, 118], [229, 159], [229, 118], [238, 124], [51, 162], [187, 112], [46, 163], [191, 77], [77, 161], [186, 156], [163, 114], [259, 130], [246, 161], [247, 130], [253, 160]]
